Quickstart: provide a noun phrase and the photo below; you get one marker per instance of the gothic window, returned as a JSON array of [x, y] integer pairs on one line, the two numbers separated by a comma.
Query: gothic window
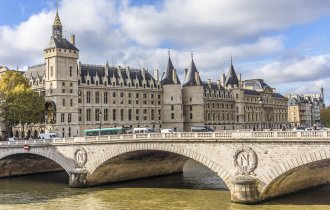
[[122, 114], [137, 114], [172, 116], [159, 114], [105, 115], [62, 117], [129, 114], [97, 114], [88, 115], [152, 114], [71, 102], [172, 107], [69, 117], [79, 115], [71, 90], [63, 102], [88, 97], [70, 71], [105, 97], [97, 97], [97, 83], [114, 114]]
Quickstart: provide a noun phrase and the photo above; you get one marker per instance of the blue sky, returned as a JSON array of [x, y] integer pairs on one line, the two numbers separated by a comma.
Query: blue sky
[[284, 42]]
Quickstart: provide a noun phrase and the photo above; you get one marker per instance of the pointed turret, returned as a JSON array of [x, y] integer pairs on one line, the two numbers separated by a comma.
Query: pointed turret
[[169, 77], [57, 27], [192, 77], [231, 78]]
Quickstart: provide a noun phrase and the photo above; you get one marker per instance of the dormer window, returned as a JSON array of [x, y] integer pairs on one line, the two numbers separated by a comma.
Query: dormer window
[[97, 83]]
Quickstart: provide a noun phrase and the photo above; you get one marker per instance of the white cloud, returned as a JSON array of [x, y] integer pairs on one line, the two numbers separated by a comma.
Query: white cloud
[[214, 22], [139, 36], [295, 70]]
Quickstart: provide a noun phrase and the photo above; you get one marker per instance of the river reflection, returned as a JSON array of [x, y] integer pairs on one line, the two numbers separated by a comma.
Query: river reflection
[[197, 188]]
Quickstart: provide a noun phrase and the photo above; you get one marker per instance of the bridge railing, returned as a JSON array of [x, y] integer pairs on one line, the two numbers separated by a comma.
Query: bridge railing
[[190, 136]]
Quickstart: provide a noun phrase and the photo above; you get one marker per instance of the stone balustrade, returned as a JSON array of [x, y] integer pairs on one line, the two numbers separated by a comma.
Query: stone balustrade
[[188, 136]]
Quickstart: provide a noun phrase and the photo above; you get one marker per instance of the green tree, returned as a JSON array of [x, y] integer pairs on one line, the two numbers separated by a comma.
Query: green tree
[[19, 103], [325, 117]]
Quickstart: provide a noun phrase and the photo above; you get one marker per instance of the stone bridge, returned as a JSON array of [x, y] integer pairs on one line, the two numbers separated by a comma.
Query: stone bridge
[[255, 166]]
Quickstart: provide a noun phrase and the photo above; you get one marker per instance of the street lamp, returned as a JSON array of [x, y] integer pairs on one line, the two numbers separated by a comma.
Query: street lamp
[[100, 115], [260, 116]]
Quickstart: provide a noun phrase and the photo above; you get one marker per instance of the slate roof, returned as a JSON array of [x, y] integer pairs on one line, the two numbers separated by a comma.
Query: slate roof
[[190, 79], [36, 72], [168, 77], [116, 74], [251, 92], [61, 43], [231, 78], [212, 86], [277, 95]]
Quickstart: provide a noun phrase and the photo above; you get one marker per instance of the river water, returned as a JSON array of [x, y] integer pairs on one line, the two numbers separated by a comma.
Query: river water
[[197, 188]]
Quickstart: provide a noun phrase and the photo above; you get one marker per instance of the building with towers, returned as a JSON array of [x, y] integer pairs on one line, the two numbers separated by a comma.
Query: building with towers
[[83, 96]]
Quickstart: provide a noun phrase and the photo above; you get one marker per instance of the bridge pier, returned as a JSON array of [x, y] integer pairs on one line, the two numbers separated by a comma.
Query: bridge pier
[[78, 178], [244, 190]]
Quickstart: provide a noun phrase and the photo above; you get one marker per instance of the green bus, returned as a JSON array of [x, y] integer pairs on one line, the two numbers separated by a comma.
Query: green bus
[[105, 131]]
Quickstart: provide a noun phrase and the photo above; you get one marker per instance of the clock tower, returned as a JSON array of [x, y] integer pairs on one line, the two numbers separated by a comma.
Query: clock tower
[[61, 80]]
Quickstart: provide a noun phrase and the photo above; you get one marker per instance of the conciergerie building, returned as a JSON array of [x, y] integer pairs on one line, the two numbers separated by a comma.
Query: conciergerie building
[[82, 96]]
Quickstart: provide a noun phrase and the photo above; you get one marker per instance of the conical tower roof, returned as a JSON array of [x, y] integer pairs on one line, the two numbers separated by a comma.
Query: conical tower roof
[[168, 77], [231, 78], [190, 79]]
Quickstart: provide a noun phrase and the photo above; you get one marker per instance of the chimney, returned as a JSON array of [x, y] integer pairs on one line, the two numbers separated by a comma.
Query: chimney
[[239, 77], [106, 69], [209, 81], [185, 72], [197, 78], [156, 74], [223, 80], [175, 79], [73, 39], [219, 83]]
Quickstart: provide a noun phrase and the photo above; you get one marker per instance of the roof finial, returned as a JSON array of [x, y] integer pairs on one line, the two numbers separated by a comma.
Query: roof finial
[[192, 55]]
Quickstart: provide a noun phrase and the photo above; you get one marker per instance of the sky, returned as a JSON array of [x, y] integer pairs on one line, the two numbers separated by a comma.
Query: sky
[[286, 43]]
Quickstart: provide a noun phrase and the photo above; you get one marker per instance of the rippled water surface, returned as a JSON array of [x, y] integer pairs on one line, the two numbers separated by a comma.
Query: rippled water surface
[[197, 188]]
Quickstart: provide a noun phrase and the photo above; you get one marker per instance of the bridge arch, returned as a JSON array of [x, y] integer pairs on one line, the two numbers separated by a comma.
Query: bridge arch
[[65, 163], [175, 149], [302, 172]]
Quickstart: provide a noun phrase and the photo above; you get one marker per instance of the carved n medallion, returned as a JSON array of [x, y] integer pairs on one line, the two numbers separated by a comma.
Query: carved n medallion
[[80, 157], [245, 160]]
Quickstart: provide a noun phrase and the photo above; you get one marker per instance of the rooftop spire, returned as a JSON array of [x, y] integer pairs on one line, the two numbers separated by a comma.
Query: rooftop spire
[[191, 79], [231, 78], [168, 77], [57, 21]]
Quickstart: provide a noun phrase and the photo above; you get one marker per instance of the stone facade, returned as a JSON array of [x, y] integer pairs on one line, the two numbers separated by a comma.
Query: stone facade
[[81, 96], [304, 110]]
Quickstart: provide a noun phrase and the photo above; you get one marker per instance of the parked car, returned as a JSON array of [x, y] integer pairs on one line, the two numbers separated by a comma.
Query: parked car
[[168, 131], [299, 129], [143, 130], [201, 129], [12, 139], [48, 135]]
